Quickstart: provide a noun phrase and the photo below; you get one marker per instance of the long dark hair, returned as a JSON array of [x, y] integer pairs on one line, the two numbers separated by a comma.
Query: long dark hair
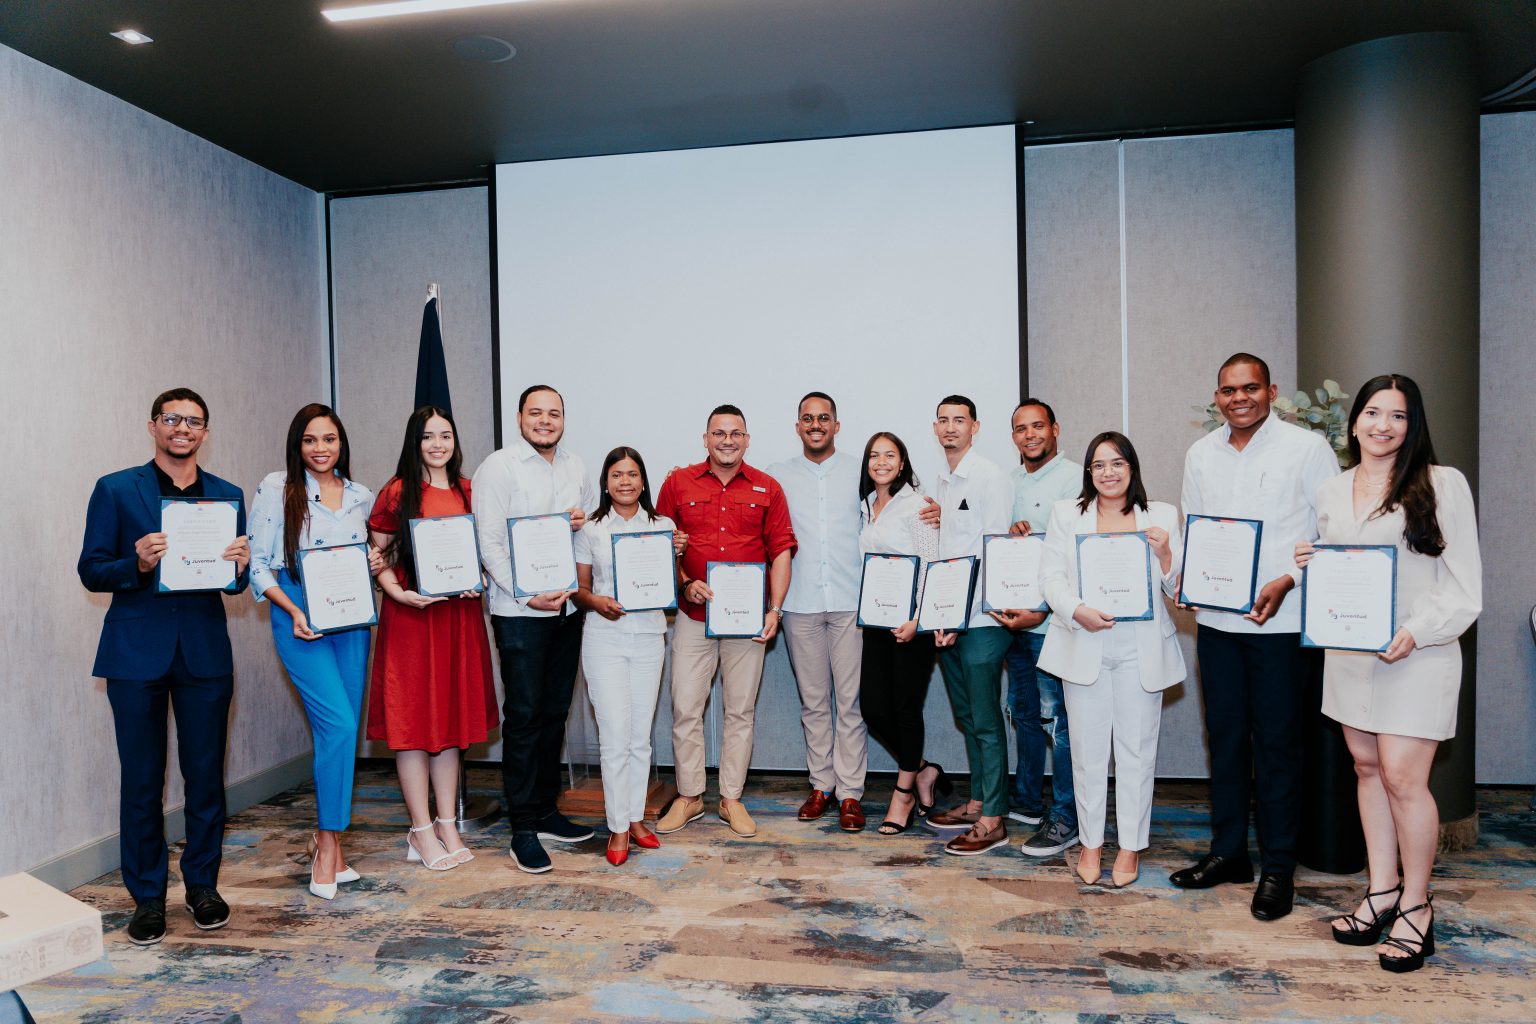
[[903, 478], [411, 472], [613, 458], [295, 490], [1136, 494], [1412, 486]]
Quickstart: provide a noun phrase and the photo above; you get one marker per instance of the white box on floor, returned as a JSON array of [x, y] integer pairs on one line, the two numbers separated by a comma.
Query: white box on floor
[[43, 932]]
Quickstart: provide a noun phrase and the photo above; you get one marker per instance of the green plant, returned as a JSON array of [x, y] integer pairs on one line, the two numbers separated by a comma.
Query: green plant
[[1329, 416]]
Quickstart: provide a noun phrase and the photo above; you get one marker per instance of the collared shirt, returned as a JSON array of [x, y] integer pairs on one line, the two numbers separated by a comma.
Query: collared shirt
[[169, 490], [824, 507], [1275, 479], [323, 527], [594, 547], [519, 481], [746, 520], [898, 531], [1035, 493], [976, 499]]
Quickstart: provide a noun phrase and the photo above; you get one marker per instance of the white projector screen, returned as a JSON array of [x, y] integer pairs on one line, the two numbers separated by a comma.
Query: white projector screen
[[650, 288]]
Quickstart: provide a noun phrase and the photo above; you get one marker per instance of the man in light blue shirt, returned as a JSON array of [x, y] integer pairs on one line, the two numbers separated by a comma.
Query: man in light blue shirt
[[821, 486], [1044, 477]]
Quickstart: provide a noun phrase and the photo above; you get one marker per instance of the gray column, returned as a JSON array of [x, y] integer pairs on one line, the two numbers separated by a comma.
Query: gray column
[[1387, 259]]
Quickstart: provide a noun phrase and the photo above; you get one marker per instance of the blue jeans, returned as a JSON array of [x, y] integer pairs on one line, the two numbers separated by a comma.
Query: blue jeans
[[1034, 699]]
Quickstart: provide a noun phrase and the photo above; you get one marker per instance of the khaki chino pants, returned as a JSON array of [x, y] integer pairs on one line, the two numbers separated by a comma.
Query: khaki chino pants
[[695, 657], [826, 650]]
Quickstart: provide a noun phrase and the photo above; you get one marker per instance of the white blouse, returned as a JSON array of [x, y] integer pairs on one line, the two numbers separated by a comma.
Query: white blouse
[[594, 547], [898, 531]]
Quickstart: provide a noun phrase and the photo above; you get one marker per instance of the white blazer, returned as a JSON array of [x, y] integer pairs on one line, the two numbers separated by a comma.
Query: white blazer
[[1075, 654]]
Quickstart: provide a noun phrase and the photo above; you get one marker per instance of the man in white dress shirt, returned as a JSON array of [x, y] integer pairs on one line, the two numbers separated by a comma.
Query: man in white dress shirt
[[1256, 466], [538, 638]]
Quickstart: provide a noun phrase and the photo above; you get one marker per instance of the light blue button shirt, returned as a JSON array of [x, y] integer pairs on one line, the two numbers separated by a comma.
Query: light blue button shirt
[[823, 502], [323, 528], [1035, 493]]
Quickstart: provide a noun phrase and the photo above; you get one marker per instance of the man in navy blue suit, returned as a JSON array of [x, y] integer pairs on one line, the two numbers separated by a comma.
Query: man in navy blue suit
[[160, 651]]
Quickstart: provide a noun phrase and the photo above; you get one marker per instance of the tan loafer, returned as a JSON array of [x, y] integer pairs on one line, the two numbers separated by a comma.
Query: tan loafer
[[737, 819], [682, 810]]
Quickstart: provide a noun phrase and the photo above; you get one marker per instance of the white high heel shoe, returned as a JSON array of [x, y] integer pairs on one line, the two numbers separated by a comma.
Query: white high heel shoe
[[439, 863], [326, 890], [465, 855]]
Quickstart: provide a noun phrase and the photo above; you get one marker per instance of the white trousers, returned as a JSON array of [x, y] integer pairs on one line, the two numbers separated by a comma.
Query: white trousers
[[623, 673], [1115, 711], [825, 651]]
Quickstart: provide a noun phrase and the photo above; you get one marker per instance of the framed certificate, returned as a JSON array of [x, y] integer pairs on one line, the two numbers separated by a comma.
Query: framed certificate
[[888, 590], [1010, 572], [197, 532], [447, 555], [947, 593], [1221, 563], [543, 554], [338, 588], [644, 571], [1114, 574], [740, 603], [1349, 598]]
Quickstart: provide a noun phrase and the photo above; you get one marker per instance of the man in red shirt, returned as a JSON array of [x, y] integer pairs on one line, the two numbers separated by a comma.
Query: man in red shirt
[[730, 513]]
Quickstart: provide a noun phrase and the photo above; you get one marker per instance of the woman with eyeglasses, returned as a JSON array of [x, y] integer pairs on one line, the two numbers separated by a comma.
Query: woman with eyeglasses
[[1116, 671]]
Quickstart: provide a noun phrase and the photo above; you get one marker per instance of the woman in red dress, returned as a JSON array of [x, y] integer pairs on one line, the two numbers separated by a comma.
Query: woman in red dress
[[432, 694]]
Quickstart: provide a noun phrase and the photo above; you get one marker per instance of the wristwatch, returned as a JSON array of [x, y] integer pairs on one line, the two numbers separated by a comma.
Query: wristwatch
[[779, 612]]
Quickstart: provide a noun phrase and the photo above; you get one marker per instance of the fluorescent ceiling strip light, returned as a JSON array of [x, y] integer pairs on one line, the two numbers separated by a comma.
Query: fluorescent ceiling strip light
[[362, 12]]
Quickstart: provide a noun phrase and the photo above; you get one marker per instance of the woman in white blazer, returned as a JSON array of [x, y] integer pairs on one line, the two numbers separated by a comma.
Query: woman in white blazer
[[1117, 670], [1397, 706]]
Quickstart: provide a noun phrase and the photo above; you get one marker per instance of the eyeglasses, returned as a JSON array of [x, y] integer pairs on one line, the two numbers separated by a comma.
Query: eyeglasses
[[733, 435], [172, 419], [1114, 465], [1251, 390], [823, 418]]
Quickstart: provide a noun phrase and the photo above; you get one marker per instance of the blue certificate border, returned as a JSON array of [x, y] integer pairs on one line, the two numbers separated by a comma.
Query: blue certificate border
[[304, 554], [762, 568], [517, 590], [970, 595], [234, 586], [478, 588], [917, 567], [672, 583], [1253, 580], [1391, 552], [1147, 549], [986, 542]]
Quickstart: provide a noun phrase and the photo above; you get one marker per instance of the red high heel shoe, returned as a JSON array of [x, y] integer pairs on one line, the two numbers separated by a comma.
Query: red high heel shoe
[[620, 855], [645, 840]]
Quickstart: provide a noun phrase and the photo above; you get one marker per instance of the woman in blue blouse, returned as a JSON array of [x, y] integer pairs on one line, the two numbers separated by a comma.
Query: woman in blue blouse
[[316, 504]]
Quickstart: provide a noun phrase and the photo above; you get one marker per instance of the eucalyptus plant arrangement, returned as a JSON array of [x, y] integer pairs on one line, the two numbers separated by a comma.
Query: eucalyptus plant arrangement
[[1329, 416]]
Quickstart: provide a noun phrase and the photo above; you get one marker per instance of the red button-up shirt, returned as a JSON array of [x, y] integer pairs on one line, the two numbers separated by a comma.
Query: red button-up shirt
[[746, 520]]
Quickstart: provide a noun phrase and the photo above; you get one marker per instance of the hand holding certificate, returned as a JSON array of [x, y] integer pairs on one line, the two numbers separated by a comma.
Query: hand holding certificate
[[198, 532], [1221, 563], [543, 555], [1349, 598], [888, 591], [338, 588], [644, 571], [1010, 571], [1114, 574], [738, 600], [947, 592], [447, 555]]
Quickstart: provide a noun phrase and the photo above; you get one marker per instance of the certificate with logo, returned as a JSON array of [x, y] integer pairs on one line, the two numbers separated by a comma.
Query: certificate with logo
[[197, 533], [644, 572], [1349, 598], [1221, 563], [338, 588], [1010, 572], [947, 592], [740, 603], [447, 555], [1114, 574], [543, 554], [888, 590]]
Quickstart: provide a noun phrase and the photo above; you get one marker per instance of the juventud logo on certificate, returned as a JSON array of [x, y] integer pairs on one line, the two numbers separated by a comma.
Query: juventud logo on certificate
[[1349, 598], [338, 589], [739, 605], [888, 590], [1221, 563], [644, 573], [1010, 572], [1114, 574], [197, 532], [447, 555], [543, 554], [947, 592]]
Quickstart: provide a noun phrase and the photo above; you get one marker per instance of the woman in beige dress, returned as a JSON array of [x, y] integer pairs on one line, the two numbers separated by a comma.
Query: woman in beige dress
[[1398, 705]]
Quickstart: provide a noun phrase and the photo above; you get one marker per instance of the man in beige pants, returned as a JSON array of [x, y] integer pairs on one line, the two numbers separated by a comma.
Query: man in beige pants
[[731, 512]]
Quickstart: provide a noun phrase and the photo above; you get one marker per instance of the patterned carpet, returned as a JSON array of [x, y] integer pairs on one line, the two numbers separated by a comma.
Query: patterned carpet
[[801, 924]]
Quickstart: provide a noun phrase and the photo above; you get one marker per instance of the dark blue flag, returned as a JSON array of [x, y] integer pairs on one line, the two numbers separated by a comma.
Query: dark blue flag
[[431, 367]]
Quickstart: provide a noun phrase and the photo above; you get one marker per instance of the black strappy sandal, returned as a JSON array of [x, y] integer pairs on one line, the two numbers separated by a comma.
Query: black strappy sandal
[[890, 827], [1360, 932], [943, 786], [1415, 950]]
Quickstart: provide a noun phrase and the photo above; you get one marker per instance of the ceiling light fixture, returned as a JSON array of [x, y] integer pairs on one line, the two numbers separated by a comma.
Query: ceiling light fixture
[[131, 36], [400, 7]]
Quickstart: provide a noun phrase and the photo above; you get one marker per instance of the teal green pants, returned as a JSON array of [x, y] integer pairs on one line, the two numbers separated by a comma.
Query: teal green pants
[[973, 674]]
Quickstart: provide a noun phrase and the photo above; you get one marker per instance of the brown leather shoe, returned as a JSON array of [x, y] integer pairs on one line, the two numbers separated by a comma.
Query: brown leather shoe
[[815, 805], [850, 816], [976, 841], [956, 818]]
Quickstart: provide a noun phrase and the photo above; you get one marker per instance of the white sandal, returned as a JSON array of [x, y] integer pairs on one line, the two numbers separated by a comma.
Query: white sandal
[[440, 863], [463, 856]]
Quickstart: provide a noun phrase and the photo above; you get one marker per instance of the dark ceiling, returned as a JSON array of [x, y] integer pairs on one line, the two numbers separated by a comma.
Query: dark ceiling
[[392, 103]]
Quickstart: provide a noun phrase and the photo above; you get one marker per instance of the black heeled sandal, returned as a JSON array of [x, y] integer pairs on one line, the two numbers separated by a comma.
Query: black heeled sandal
[[891, 827], [1360, 932], [1425, 943], [943, 786]]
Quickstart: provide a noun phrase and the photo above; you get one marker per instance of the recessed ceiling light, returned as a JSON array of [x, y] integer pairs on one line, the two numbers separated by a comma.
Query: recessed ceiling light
[[132, 36], [399, 7], [487, 49]]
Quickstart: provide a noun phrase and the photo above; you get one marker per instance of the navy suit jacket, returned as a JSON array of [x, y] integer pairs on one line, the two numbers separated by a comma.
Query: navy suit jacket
[[143, 628]]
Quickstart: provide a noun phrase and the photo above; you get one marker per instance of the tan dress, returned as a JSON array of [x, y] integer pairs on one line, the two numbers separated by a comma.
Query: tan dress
[[1437, 599]]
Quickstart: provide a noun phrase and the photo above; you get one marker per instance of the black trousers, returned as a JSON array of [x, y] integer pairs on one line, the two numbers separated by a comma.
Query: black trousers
[[1252, 688], [539, 656], [893, 687], [139, 711]]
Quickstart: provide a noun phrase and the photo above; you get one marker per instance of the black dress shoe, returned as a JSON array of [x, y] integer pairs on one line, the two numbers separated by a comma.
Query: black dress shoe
[[557, 828], [1273, 898], [209, 911], [1213, 870], [147, 925]]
